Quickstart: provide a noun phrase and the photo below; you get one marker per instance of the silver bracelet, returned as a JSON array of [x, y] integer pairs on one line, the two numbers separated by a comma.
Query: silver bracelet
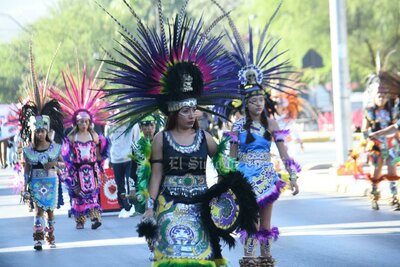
[[149, 203], [292, 176]]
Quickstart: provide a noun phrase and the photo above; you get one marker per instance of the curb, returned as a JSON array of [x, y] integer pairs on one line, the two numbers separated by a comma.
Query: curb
[[316, 139]]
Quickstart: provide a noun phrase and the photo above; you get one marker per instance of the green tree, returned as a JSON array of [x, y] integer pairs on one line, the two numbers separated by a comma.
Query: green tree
[[373, 27], [83, 29]]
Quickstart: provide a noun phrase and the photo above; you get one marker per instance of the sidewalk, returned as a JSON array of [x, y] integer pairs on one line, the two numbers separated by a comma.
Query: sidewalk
[[6, 176], [321, 179], [316, 136]]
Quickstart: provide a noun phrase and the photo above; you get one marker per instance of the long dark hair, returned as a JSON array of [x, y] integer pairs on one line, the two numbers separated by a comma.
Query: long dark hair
[[264, 122], [269, 109], [172, 121]]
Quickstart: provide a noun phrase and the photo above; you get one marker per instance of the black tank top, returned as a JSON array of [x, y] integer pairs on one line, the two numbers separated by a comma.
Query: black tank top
[[180, 160]]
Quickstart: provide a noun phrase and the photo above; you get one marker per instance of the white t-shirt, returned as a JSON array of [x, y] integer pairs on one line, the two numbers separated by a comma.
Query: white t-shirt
[[121, 142]]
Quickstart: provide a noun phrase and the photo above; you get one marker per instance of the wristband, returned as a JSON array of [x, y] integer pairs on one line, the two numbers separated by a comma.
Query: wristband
[[149, 203], [293, 176]]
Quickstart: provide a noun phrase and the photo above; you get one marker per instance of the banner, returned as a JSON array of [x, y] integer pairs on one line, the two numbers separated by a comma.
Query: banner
[[9, 124], [108, 193]]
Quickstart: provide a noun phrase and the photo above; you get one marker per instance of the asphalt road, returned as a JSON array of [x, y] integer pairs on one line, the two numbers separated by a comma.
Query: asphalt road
[[319, 227]]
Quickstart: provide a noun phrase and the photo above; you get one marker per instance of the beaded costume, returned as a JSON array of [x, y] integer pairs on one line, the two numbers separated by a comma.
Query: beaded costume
[[183, 66], [258, 70], [41, 115], [255, 163], [84, 174], [384, 148], [84, 169], [43, 184], [181, 232]]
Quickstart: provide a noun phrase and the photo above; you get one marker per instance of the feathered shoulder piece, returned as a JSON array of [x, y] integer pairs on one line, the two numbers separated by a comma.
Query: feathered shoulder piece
[[181, 65], [82, 98], [142, 154], [223, 163], [40, 111]]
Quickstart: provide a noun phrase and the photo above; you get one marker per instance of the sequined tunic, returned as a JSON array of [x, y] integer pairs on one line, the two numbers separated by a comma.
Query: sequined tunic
[[182, 234], [84, 176], [43, 184], [380, 119], [255, 163]]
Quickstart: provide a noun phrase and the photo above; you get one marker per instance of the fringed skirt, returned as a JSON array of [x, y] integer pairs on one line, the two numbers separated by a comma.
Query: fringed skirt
[[266, 182]]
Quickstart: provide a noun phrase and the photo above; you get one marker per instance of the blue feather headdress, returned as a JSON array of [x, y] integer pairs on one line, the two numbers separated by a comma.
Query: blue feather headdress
[[258, 71], [166, 71]]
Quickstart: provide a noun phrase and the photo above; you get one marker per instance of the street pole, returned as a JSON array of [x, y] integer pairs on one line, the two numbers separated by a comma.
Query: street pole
[[340, 79]]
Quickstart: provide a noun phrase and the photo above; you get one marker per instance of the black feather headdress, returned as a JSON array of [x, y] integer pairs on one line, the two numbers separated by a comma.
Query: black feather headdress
[[182, 64], [40, 112]]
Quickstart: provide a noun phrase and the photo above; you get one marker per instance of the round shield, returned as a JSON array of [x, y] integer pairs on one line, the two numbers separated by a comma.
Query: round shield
[[225, 210]]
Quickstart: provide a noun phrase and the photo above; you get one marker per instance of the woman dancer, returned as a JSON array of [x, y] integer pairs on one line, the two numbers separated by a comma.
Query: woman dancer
[[84, 151], [257, 71], [186, 69]]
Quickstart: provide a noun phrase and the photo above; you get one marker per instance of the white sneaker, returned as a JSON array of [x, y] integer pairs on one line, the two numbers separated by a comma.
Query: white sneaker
[[132, 211], [123, 214]]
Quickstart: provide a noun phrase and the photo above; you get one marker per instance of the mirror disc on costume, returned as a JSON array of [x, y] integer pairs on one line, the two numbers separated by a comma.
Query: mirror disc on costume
[[225, 210]]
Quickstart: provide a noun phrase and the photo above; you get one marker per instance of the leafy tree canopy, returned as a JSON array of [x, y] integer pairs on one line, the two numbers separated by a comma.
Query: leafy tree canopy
[[83, 29]]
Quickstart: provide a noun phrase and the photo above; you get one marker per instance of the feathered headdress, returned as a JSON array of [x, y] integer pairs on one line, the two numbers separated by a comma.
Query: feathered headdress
[[258, 70], [382, 81], [82, 98], [167, 71], [40, 112], [155, 119], [290, 100], [389, 83]]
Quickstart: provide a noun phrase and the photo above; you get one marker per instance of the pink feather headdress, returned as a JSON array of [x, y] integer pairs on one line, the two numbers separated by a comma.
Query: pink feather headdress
[[84, 100]]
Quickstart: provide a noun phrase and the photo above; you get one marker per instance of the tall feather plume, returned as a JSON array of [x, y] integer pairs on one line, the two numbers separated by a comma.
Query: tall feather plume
[[108, 54], [139, 21], [82, 94], [251, 53], [144, 73], [235, 31], [92, 85], [161, 24], [208, 30], [133, 39], [371, 52], [49, 69], [387, 57], [181, 17], [35, 83], [378, 62], [264, 32], [39, 104]]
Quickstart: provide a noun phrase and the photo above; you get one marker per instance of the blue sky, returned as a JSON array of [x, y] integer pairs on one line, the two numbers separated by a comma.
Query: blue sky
[[24, 11]]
